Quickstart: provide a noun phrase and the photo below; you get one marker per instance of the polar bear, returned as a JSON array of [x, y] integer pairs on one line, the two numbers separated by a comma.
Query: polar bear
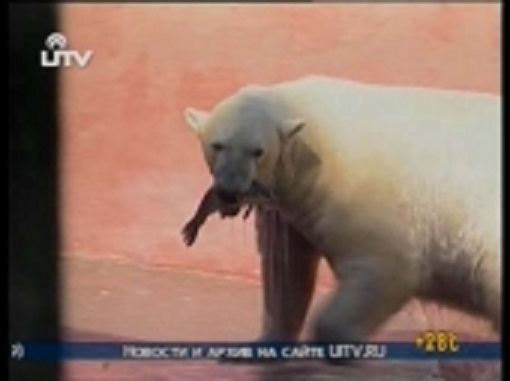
[[397, 188]]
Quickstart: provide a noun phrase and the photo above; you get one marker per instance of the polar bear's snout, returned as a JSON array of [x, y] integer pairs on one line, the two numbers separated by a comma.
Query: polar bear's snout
[[231, 182], [256, 193]]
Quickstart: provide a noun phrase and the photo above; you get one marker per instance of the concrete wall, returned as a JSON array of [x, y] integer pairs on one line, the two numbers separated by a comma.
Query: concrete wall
[[132, 172]]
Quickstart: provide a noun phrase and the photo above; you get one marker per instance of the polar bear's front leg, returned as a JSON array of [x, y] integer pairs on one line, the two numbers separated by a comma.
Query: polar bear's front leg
[[289, 267], [369, 292]]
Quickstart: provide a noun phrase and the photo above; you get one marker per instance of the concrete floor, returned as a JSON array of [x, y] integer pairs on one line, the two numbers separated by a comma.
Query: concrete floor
[[107, 300]]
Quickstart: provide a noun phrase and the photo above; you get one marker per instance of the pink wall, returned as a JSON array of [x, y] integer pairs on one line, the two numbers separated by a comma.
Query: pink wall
[[132, 172]]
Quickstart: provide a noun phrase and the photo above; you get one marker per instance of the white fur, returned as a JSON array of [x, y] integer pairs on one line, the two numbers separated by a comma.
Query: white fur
[[440, 143]]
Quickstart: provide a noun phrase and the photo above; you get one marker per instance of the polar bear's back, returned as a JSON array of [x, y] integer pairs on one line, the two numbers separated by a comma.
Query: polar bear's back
[[442, 142], [392, 109]]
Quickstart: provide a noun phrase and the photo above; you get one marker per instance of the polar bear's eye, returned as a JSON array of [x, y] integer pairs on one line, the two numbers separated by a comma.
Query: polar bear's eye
[[257, 152], [218, 147]]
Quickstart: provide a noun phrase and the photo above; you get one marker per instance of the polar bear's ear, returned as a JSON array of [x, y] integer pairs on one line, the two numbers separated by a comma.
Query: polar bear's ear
[[291, 128], [196, 119]]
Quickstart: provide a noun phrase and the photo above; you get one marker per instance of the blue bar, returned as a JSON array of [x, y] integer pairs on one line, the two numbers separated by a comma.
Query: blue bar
[[249, 351]]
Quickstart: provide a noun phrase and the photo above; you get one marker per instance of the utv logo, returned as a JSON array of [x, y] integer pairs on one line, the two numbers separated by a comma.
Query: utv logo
[[57, 56]]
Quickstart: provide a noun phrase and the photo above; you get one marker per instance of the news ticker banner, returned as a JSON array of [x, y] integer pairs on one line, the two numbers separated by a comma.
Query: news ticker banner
[[421, 349]]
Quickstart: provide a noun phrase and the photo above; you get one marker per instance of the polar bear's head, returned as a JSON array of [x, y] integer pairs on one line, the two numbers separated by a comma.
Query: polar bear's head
[[242, 140]]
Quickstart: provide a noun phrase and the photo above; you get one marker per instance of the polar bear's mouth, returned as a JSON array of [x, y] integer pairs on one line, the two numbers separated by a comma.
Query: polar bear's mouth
[[229, 198], [256, 192], [259, 190]]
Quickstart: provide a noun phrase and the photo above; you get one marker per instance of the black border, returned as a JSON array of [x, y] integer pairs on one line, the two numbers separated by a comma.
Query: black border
[[33, 187]]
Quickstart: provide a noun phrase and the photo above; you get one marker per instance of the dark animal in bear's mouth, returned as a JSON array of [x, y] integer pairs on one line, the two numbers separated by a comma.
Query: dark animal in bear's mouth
[[212, 202]]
